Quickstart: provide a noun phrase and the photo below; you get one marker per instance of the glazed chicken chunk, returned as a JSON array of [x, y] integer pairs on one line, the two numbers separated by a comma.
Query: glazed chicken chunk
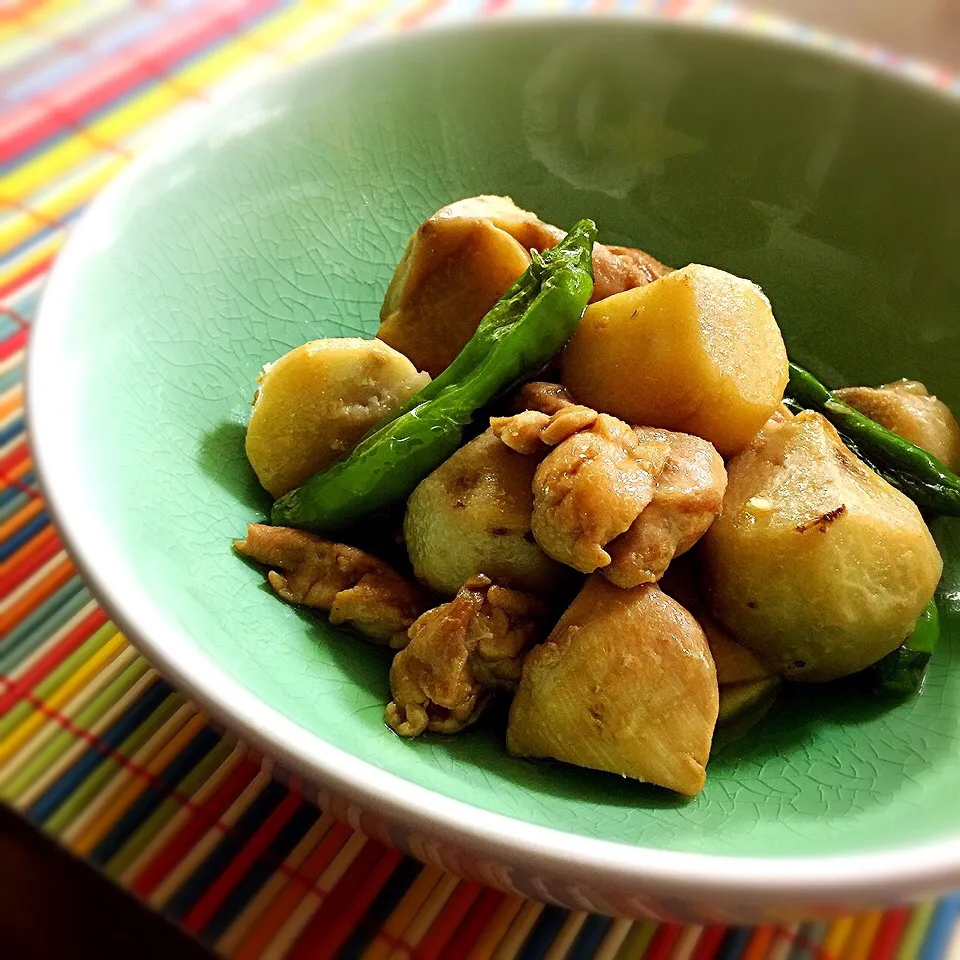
[[592, 486], [353, 587], [459, 654], [687, 500]]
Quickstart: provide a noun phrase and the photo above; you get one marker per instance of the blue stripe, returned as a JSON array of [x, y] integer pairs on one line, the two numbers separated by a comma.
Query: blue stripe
[[8, 494], [734, 942], [49, 617], [11, 430], [164, 784], [8, 326], [14, 501], [544, 932], [26, 300], [940, 930], [25, 533], [383, 905], [12, 378], [262, 869], [225, 851], [44, 807], [99, 46], [131, 93], [591, 935]]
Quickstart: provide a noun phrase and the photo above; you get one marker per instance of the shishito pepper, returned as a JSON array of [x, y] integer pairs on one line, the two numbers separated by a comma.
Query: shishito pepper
[[909, 468], [900, 674], [525, 328]]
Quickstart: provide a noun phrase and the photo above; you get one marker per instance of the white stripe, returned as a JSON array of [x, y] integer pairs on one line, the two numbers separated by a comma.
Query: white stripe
[[25, 586]]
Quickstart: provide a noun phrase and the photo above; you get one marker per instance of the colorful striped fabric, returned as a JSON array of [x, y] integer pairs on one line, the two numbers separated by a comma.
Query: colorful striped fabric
[[95, 748]]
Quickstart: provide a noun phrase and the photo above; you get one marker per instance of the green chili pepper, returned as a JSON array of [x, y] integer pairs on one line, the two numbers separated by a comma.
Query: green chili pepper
[[525, 328], [911, 469], [900, 674]]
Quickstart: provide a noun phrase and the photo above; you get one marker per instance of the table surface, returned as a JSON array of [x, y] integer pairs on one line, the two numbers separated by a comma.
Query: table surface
[[95, 750]]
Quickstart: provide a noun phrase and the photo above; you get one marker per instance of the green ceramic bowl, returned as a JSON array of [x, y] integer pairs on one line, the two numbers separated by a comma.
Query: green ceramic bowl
[[278, 217]]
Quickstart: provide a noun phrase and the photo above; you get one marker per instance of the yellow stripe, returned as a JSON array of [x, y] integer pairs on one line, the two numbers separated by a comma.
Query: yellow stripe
[[130, 116], [57, 203], [417, 929], [102, 823], [519, 930], [76, 682], [134, 115], [496, 929], [31, 257], [837, 935], [864, 933]]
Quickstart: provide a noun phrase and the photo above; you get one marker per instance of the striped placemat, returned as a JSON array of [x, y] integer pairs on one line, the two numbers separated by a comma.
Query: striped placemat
[[95, 748]]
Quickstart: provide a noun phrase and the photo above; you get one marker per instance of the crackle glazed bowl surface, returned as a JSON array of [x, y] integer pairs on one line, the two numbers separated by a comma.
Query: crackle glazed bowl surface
[[278, 217]]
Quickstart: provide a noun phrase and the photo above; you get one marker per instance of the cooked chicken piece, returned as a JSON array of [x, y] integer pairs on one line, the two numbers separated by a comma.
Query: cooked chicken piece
[[529, 431], [625, 683], [591, 488], [355, 588], [549, 398], [687, 500], [462, 259], [458, 655], [907, 408], [521, 432], [616, 269]]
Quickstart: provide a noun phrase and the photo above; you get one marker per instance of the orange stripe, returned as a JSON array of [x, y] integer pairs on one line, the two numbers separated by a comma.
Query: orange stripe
[[27, 550], [21, 518], [35, 596], [259, 938], [11, 401], [759, 946]]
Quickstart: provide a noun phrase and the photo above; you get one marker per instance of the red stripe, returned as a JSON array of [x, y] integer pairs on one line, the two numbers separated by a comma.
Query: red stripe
[[202, 911], [889, 934], [20, 453], [477, 920], [15, 689], [350, 915], [38, 119], [325, 932], [206, 816], [22, 279], [14, 344], [663, 942], [445, 926], [14, 577], [18, 318], [709, 943], [491, 7]]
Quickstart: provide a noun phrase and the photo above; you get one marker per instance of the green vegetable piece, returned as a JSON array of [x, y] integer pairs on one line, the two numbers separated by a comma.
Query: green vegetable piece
[[911, 469], [900, 674], [525, 328]]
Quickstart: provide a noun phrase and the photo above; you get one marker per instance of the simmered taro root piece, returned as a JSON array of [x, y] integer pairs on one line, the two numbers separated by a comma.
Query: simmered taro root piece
[[816, 563], [735, 663], [687, 500], [314, 404], [625, 683], [453, 271], [907, 408], [459, 654], [353, 587], [472, 515], [697, 351], [463, 258]]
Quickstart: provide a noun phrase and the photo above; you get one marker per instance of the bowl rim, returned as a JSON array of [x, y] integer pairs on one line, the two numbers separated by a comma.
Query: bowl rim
[[892, 875]]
